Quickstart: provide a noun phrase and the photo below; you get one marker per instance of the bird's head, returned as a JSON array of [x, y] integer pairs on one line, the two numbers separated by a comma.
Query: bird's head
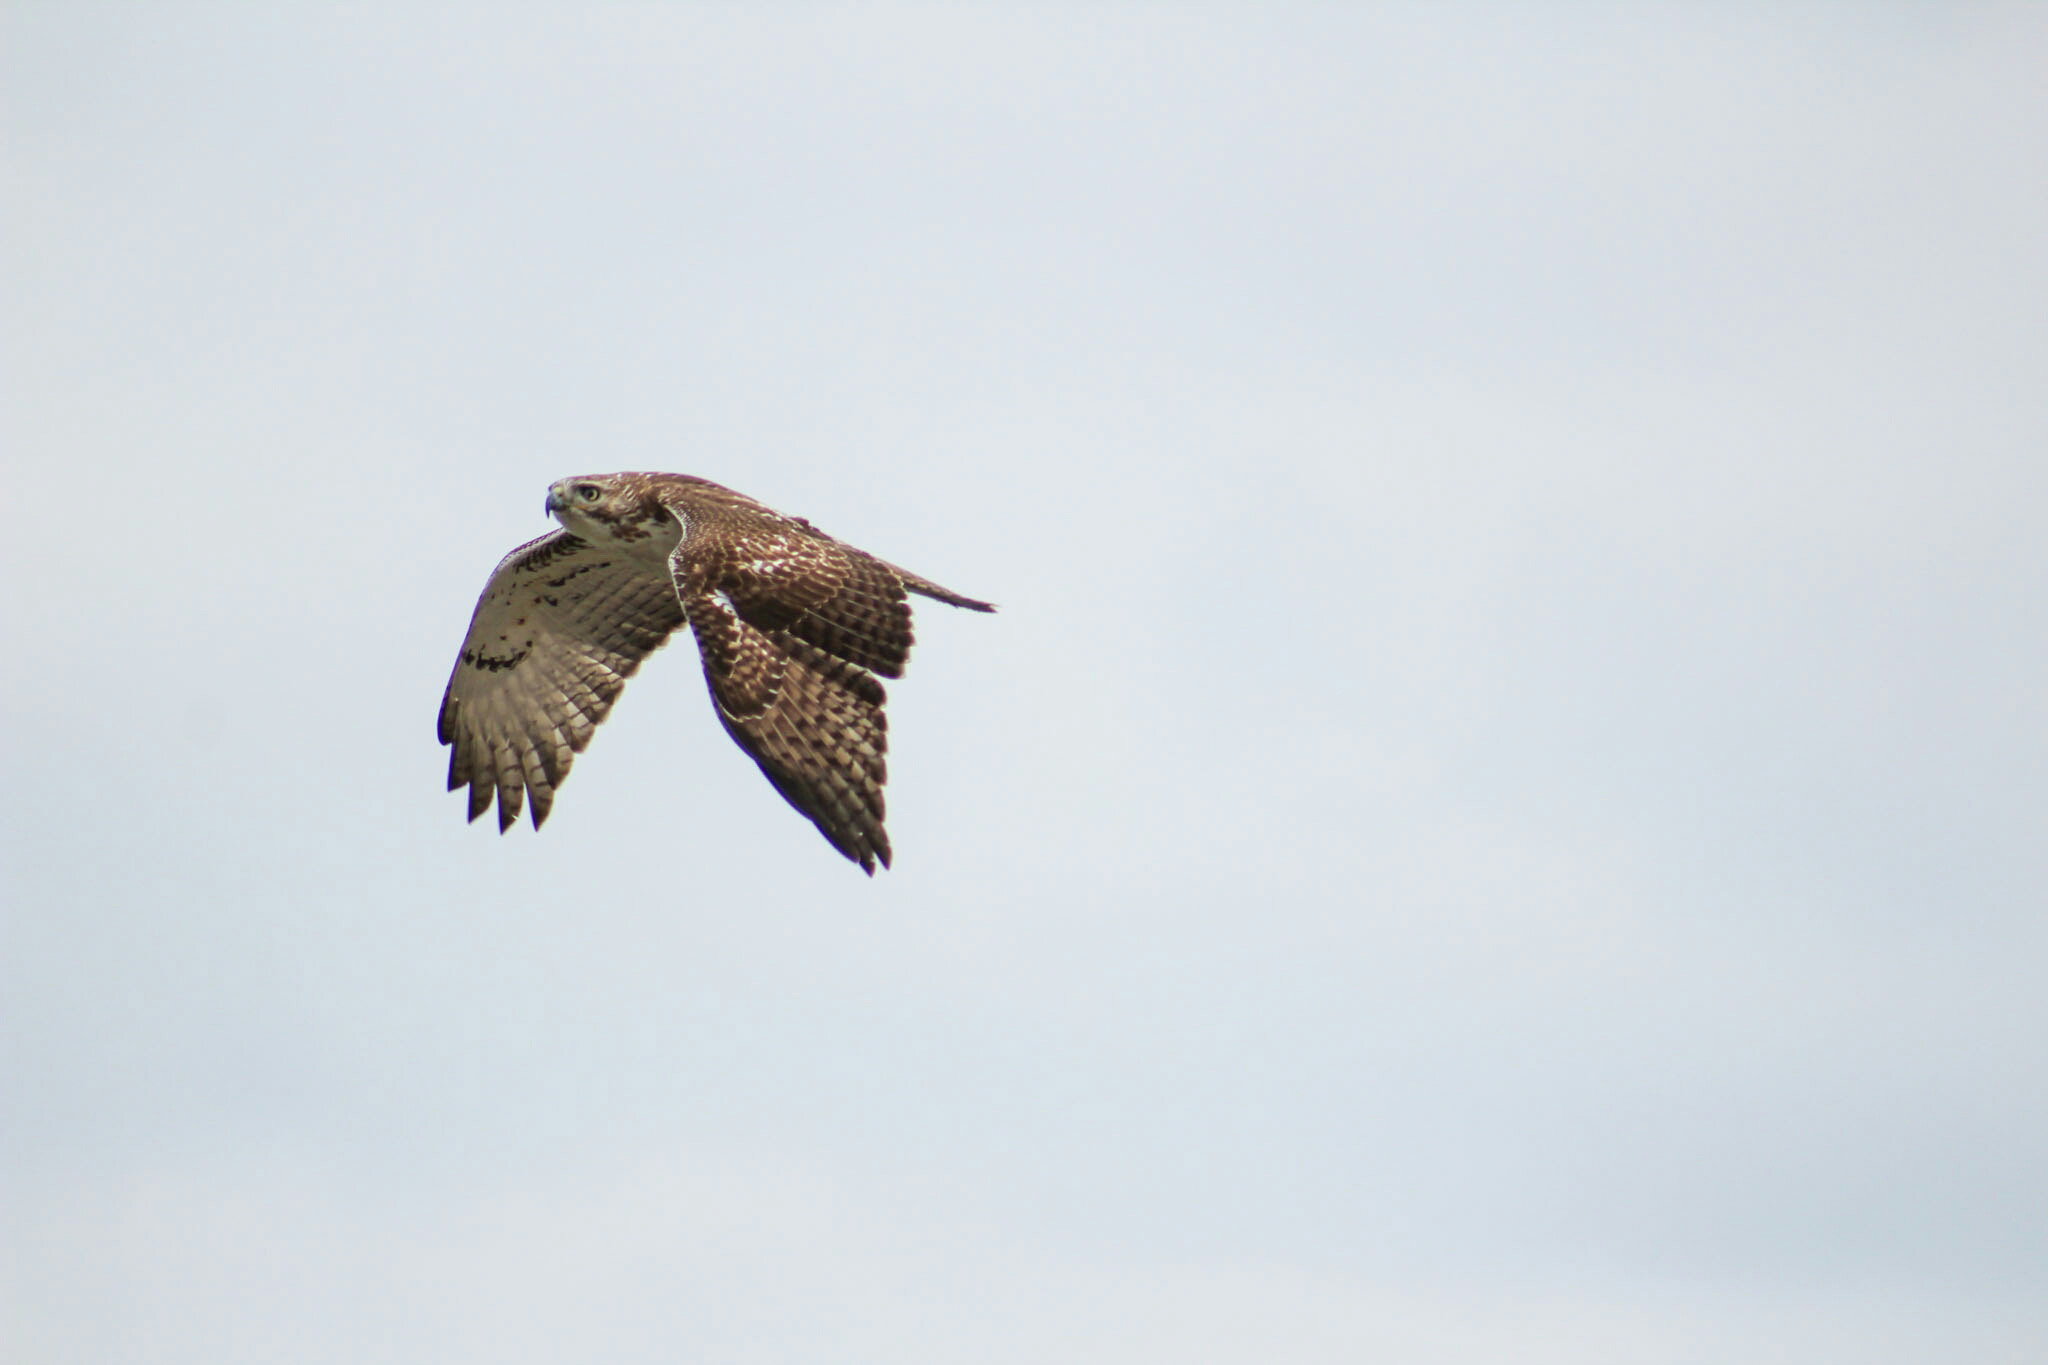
[[603, 508]]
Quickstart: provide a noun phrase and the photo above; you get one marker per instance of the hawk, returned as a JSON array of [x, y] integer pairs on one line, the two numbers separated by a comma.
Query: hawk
[[795, 630]]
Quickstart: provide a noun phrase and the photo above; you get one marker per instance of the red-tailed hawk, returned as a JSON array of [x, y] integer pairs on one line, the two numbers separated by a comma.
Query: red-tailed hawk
[[793, 627]]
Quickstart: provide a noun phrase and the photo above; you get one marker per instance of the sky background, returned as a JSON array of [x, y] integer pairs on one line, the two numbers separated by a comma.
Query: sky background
[[1502, 817]]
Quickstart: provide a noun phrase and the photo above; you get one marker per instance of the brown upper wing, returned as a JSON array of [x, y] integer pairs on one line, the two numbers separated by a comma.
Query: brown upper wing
[[813, 723], [790, 578], [560, 627], [793, 627]]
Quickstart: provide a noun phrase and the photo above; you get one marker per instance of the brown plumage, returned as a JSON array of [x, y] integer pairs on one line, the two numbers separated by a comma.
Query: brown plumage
[[792, 625]]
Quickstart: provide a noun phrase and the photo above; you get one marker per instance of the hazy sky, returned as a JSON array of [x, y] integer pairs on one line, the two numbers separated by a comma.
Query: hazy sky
[[1504, 815]]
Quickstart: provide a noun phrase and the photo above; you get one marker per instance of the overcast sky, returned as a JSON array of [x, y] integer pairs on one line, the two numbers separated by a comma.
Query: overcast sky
[[1504, 815]]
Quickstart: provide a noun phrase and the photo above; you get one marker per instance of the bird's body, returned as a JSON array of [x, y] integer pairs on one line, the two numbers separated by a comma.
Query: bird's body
[[793, 628]]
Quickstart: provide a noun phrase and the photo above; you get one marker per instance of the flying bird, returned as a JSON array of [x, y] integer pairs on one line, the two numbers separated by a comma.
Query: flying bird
[[795, 630]]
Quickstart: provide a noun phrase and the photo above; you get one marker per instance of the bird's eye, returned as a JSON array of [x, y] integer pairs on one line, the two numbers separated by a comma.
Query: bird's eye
[[589, 492]]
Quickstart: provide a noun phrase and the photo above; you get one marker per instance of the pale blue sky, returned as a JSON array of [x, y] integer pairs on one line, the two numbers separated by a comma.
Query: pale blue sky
[[1502, 817]]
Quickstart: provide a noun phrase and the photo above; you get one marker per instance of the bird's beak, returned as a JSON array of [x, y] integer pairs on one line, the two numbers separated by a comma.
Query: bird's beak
[[554, 501]]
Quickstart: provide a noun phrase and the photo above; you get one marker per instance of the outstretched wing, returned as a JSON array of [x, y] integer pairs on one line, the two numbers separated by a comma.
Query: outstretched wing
[[793, 626], [561, 625], [812, 722]]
